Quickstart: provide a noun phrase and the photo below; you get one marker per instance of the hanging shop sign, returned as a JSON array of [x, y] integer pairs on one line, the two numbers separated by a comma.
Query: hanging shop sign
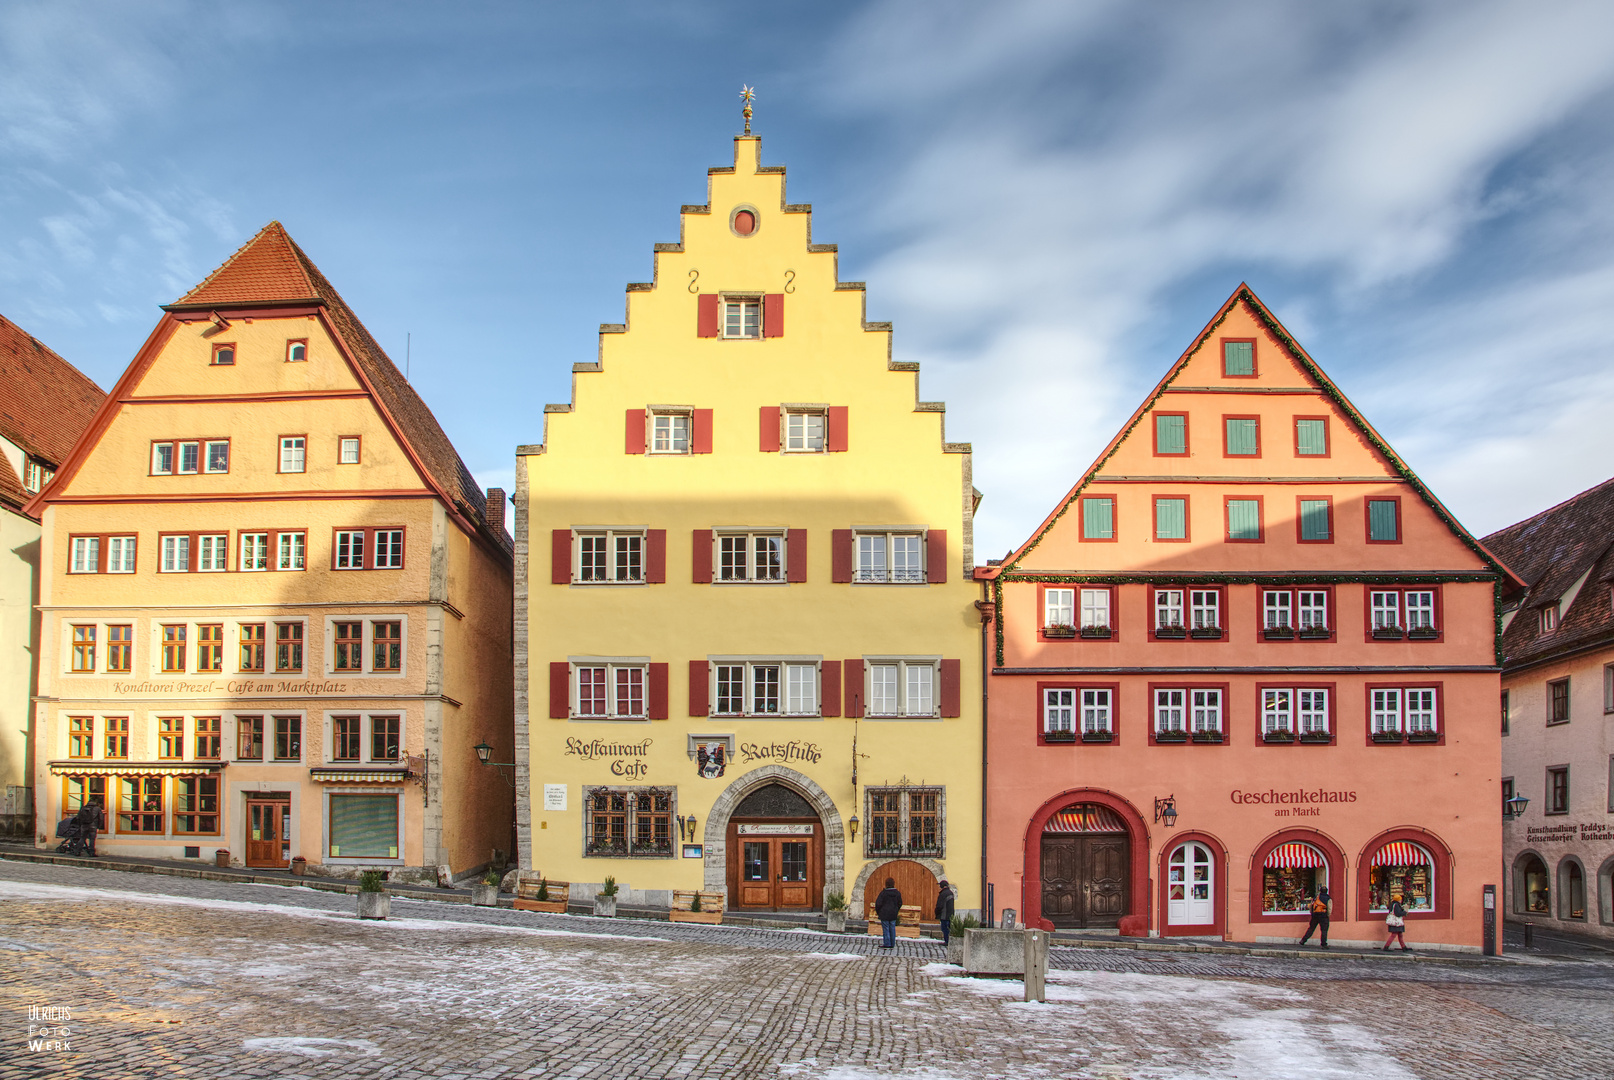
[[776, 830]]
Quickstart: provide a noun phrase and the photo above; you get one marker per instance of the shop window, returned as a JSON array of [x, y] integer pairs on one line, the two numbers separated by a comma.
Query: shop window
[[1291, 878], [363, 826], [140, 804], [117, 738], [196, 805], [1572, 889], [208, 738], [628, 821], [171, 738], [79, 790], [249, 738], [1401, 868], [252, 646], [119, 647], [1532, 888], [84, 649], [905, 821]]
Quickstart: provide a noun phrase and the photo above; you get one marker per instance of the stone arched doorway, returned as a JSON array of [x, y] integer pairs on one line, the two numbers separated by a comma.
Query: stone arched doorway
[[1110, 871], [919, 881], [724, 848]]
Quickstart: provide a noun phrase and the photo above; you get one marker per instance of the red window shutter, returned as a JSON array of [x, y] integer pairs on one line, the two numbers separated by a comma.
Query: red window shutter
[[829, 689], [768, 430], [560, 557], [840, 555], [700, 701], [854, 688], [773, 315], [560, 690], [936, 556], [835, 429], [702, 441], [701, 562], [655, 556], [796, 555], [658, 692], [706, 315], [635, 440], [950, 689]]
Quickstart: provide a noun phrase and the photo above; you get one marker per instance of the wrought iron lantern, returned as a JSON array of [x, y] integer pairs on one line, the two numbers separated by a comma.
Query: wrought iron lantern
[[1166, 810], [1513, 808]]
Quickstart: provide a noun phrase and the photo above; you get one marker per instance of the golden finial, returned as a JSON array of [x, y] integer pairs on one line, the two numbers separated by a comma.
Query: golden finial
[[748, 95]]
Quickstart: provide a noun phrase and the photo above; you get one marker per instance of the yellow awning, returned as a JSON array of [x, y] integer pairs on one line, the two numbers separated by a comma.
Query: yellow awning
[[135, 768]]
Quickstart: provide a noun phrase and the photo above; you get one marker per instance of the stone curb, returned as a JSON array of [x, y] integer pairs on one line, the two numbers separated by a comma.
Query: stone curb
[[1414, 955]]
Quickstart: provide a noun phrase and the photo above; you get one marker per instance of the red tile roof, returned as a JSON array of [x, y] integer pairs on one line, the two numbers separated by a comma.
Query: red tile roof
[[45, 404], [265, 269]]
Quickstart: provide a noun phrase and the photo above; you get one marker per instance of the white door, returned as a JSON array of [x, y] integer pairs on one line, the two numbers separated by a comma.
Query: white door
[[1190, 874]]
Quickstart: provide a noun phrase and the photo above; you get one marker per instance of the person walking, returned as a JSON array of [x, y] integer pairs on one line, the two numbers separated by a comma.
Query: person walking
[[888, 907], [944, 911], [90, 822], [1319, 917], [1396, 922]]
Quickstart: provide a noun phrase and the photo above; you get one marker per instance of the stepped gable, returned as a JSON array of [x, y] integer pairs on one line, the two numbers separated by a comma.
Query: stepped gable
[[270, 269], [1551, 551], [45, 405]]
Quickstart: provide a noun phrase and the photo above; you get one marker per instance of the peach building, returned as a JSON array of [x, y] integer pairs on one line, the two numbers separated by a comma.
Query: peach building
[[276, 609], [1247, 657]]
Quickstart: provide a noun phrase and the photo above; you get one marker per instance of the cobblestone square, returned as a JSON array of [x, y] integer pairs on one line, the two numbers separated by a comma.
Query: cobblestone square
[[181, 978]]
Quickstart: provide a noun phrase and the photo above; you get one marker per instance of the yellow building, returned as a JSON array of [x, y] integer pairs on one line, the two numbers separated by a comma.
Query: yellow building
[[748, 656], [276, 609]]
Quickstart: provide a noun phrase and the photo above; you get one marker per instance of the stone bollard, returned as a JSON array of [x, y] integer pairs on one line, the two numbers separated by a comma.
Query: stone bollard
[[1036, 957], [994, 952], [1008, 919]]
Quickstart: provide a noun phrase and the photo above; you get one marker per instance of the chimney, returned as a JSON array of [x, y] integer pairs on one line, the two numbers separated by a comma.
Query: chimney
[[495, 510]]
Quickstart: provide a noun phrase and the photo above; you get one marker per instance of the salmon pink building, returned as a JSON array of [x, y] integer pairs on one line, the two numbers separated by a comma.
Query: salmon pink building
[[1248, 657]]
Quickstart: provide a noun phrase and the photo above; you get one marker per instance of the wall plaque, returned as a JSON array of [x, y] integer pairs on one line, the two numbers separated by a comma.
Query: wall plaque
[[805, 829]]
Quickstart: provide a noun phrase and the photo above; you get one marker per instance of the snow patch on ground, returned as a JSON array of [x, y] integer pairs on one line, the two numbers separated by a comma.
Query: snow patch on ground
[[312, 1047], [836, 955]]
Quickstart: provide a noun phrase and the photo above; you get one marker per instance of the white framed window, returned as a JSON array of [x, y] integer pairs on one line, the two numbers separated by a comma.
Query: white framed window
[[610, 691], [804, 431], [742, 317], [1313, 609], [36, 474], [1420, 716], [670, 432], [254, 551], [1169, 710], [1096, 706], [1059, 607], [610, 557], [901, 688], [750, 556], [1277, 606], [86, 554], [1420, 605], [765, 688], [296, 352], [1206, 608], [389, 549], [293, 551], [176, 554], [1386, 711], [1096, 609], [1312, 708], [213, 555], [349, 453], [1386, 609], [217, 456], [897, 558], [293, 453], [1207, 711], [162, 459], [190, 457], [1277, 711], [1167, 609], [350, 549], [1059, 711], [120, 555]]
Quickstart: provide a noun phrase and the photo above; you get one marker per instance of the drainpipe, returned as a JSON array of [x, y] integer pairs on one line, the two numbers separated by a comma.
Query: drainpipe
[[985, 608]]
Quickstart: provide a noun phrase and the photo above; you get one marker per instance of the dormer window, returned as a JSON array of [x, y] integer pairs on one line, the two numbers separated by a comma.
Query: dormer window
[[1549, 618], [36, 474]]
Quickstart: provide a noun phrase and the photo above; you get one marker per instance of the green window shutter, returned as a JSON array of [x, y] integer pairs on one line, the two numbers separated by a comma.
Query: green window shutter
[[1312, 436], [1243, 519], [1242, 437], [364, 826], [1381, 520], [1238, 358], [1171, 519], [1170, 436], [1098, 519], [1314, 519]]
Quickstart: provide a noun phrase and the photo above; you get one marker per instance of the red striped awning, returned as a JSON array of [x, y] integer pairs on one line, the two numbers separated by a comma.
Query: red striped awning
[[1086, 818], [1290, 856], [1401, 853]]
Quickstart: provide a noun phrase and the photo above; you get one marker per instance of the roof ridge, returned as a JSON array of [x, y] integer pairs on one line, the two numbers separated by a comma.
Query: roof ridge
[[269, 234]]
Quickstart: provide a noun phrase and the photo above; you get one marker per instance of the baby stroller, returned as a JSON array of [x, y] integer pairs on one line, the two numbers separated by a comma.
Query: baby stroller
[[74, 836]]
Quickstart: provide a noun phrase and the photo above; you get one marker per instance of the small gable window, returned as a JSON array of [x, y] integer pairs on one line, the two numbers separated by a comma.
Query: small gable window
[[296, 352], [1311, 437], [223, 354], [1098, 518], [744, 221], [1238, 358], [350, 450], [1384, 521], [1170, 434], [1243, 436], [742, 318]]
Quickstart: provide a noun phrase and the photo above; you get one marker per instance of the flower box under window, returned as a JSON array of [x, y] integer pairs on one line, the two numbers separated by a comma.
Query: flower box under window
[[1422, 633], [1386, 736], [1279, 736], [1098, 736], [1059, 631], [1207, 736], [1316, 737], [1097, 632], [1171, 736], [1314, 633], [1279, 633], [1387, 633], [1059, 736], [1424, 736], [1175, 633], [1206, 632]]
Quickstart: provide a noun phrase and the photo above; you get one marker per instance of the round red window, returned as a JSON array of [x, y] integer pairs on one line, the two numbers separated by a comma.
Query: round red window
[[745, 222]]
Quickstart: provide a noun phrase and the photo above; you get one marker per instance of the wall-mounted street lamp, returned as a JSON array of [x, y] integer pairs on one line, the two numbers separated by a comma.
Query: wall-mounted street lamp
[[1166, 810], [1513, 809], [686, 828], [853, 822], [484, 752]]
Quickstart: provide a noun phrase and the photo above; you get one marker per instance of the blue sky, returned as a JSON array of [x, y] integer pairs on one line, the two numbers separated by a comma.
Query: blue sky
[[1048, 199]]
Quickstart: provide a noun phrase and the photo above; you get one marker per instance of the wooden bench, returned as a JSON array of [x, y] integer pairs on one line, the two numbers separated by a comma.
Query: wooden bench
[[684, 900], [907, 922], [527, 895]]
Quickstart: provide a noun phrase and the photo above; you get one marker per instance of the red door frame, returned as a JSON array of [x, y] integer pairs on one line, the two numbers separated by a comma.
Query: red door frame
[[1219, 885], [1138, 852]]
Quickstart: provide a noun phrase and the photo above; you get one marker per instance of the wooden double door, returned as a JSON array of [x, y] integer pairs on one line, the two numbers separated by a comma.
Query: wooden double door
[[1084, 879], [775, 866], [268, 832]]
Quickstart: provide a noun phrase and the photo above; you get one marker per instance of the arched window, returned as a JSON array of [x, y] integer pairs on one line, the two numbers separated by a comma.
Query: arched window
[[1401, 868], [1532, 889], [1291, 877], [1571, 889]]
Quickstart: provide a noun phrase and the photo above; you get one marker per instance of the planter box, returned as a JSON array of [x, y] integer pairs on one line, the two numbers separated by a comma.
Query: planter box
[[1170, 633], [1386, 736], [605, 906], [1171, 736], [1387, 633], [907, 921], [1059, 736], [485, 895], [711, 907], [1101, 632], [527, 896], [554, 907], [221, 857], [1316, 737], [1059, 631], [1206, 633], [1207, 736], [1424, 736], [713, 917], [1314, 633], [835, 921], [375, 905], [1278, 737], [1422, 633], [1279, 633], [1098, 736]]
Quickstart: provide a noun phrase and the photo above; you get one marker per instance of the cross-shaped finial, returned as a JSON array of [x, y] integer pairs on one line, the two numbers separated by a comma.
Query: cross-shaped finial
[[748, 95]]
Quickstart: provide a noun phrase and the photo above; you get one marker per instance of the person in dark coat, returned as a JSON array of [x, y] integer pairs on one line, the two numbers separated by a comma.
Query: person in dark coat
[[944, 911], [90, 822], [1319, 917], [888, 906]]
